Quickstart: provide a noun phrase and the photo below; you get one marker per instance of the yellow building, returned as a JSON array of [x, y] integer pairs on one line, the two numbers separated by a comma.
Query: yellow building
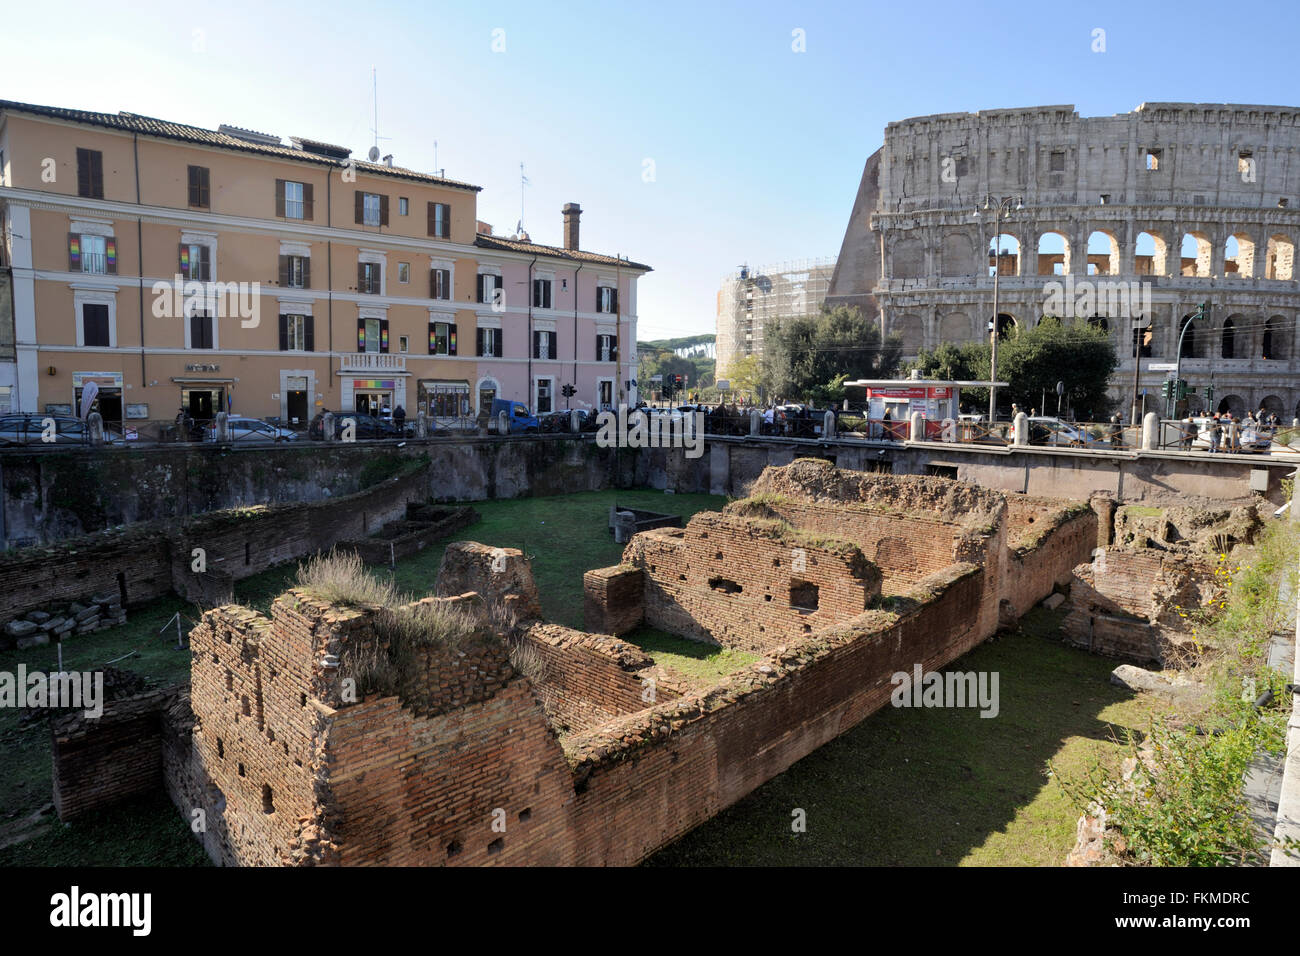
[[177, 267]]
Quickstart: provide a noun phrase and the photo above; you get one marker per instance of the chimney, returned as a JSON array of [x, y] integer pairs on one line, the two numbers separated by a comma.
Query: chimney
[[571, 213]]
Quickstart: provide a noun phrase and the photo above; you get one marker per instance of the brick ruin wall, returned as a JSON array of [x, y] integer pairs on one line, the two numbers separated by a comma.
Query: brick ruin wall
[[148, 561], [564, 761], [731, 581], [490, 781], [1046, 539], [98, 761], [613, 599], [1127, 604], [587, 680]]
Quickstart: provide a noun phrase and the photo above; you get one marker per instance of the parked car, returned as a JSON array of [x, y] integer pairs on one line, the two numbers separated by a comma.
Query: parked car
[[519, 418], [1047, 430], [367, 427], [28, 429], [251, 429]]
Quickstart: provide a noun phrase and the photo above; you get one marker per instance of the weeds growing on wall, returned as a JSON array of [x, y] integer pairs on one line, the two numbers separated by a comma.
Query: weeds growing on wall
[[1181, 801]]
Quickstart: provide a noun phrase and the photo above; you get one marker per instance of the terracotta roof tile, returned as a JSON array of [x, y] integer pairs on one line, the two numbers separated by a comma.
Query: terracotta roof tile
[[554, 252], [165, 129]]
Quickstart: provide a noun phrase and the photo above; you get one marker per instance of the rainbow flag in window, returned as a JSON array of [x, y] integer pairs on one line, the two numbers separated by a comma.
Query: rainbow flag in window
[[110, 247], [74, 251]]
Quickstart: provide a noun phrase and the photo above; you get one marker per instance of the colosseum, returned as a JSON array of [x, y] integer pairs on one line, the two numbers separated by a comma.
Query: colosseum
[[1175, 203]]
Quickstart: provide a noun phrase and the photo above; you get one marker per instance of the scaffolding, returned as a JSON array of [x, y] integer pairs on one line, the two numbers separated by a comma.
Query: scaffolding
[[750, 299]]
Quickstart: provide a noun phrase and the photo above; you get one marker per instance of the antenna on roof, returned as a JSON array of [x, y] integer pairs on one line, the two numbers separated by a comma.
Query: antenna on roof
[[523, 181], [374, 89]]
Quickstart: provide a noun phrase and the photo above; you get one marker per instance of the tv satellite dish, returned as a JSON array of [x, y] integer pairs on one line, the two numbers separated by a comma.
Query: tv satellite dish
[[374, 154]]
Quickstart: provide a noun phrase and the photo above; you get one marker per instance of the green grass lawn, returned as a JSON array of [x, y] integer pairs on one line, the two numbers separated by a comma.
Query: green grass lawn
[[916, 787]]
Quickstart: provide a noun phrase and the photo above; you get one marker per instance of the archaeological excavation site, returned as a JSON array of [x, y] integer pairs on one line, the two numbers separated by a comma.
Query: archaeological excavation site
[[345, 727]]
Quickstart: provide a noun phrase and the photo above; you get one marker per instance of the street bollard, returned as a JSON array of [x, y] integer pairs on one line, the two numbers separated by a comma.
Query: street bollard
[[1021, 425], [1150, 431], [222, 426]]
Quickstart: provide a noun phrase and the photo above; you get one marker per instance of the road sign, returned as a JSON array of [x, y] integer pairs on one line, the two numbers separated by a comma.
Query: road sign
[[1162, 367]]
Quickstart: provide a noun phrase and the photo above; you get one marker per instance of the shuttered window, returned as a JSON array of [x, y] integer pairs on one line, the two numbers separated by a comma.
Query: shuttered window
[[440, 283], [442, 338], [489, 343], [295, 272], [487, 286], [541, 293], [544, 345], [90, 173], [199, 194], [606, 299], [294, 200], [195, 262], [606, 349], [94, 325], [439, 220], [297, 333], [201, 336]]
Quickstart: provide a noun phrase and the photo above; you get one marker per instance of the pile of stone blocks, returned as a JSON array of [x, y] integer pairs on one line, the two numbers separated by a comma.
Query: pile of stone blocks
[[59, 622]]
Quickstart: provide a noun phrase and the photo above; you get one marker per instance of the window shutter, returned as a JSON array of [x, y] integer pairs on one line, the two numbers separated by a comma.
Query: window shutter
[[613, 350], [360, 206], [613, 300], [110, 256], [479, 290], [83, 172], [284, 333], [537, 344], [184, 261], [284, 271], [361, 335], [193, 197], [383, 335], [598, 338], [97, 174], [431, 218], [308, 334], [433, 283], [306, 272], [478, 342], [205, 190], [362, 285], [308, 206], [74, 252], [279, 198], [599, 299], [383, 210]]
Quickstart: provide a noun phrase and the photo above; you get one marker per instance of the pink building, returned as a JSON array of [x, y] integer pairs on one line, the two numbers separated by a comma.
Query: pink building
[[549, 317]]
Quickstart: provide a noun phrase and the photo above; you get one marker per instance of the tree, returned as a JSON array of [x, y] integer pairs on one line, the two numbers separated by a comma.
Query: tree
[[1031, 362], [667, 363], [811, 357], [746, 375], [1082, 356]]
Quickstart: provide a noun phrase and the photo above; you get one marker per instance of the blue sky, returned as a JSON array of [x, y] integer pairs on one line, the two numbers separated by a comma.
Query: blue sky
[[757, 149]]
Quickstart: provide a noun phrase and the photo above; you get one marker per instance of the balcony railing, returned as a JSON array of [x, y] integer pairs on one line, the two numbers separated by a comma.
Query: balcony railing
[[372, 362]]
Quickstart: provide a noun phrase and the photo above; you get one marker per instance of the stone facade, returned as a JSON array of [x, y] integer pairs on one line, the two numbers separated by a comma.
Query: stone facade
[[1183, 203]]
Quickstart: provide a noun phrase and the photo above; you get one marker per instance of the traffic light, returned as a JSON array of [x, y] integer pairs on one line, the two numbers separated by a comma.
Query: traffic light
[[568, 391], [1182, 389], [1167, 389]]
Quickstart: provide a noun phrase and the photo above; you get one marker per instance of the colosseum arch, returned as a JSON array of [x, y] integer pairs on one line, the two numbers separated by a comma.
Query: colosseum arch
[[1008, 325], [1103, 253], [1197, 255], [1008, 253], [957, 255], [1239, 256], [1053, 253], [908, 259], [1196, 338], [1150, 254], [1231, 334], [1275, 343], [1234, 404], [1279, 258], [1273, 405], [955, 327], [911, 330]]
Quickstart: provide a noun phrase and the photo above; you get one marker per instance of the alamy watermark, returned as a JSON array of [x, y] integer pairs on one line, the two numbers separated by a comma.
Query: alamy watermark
[[64, 690], [951, 689], [182, 297], [1085, 298], [647, 428]]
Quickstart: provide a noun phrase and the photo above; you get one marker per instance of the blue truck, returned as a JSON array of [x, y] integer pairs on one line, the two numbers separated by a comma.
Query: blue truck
[[520, 420]]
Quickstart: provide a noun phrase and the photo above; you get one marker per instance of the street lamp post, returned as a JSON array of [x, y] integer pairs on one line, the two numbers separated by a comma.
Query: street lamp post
[[1001, 210]]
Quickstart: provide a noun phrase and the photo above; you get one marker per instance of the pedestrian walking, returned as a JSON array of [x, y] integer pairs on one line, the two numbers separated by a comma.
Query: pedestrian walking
[[1216, 432], [1189, 433]]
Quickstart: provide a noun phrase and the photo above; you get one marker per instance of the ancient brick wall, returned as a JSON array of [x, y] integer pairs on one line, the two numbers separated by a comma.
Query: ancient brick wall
[[148, 561], [905, 547], [647, 779], [587, 680], [1049, 541], [500, 575], [1129, 603], [741, 583], [102, 760], [613, 599]]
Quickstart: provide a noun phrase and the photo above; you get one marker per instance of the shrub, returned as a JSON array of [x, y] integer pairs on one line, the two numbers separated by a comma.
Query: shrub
[[341, 577]]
